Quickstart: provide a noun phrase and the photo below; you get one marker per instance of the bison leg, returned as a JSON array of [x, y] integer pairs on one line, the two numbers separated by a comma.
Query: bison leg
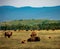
[[5, 34], [8, 36]]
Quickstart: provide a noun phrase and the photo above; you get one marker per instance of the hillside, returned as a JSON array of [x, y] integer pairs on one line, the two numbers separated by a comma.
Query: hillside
[[28, 22]]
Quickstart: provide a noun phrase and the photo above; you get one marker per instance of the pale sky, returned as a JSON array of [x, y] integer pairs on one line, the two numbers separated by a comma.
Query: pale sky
[[33, 3]]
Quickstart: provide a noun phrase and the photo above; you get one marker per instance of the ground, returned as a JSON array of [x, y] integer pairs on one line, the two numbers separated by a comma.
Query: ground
[[45, 43]]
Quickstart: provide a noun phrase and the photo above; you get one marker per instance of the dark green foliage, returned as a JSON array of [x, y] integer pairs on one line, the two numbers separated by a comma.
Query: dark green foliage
[[31, 25]]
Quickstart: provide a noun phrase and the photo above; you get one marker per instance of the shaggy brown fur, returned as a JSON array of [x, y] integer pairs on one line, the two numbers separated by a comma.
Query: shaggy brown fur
[[8, 34]]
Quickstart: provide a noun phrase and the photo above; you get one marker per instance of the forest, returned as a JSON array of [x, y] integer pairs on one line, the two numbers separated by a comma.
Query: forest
[[30, 25]]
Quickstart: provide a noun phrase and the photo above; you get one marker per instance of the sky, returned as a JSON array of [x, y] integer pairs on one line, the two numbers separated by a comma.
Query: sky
[[32, 3]]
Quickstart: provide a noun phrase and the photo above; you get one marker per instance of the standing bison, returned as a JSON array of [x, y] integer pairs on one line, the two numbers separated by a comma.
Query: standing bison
[[8, 34]]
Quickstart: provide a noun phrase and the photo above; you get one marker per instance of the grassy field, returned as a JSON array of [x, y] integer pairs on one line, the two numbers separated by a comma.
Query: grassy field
[[45, 43]]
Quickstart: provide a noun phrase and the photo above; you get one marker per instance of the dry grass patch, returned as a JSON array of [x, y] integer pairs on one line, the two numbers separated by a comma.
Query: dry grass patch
[[15, 41]]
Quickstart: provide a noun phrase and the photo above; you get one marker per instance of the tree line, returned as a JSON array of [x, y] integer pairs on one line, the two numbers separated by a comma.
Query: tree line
[[39, 26]]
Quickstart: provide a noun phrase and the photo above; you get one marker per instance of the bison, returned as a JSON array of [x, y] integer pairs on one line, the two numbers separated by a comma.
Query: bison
[[33, 37], [8, 34], [23, 41], [49, 37]]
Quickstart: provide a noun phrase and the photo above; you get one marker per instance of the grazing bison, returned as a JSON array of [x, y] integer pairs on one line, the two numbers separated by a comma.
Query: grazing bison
[[33, 37], [8, 34]]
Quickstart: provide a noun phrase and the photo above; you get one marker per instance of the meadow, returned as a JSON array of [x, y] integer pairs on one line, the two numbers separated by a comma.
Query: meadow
[[45, 43]]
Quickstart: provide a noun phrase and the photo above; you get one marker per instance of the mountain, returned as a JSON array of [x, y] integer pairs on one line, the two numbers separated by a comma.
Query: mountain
[[13, 13]]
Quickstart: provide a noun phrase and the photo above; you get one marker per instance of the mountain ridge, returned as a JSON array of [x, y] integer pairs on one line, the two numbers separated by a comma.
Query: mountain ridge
[[27, 12]]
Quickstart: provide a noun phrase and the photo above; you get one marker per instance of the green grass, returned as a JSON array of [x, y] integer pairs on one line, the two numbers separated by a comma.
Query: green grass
[[28, 22], [15, 41]]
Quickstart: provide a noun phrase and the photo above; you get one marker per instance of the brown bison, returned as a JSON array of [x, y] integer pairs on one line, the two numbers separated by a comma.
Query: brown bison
[[33, 37], [8, 34], [49, 37], [23, 41]]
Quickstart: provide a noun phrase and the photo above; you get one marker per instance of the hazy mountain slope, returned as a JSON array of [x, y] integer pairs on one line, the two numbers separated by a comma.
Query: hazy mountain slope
[[13, 13]]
